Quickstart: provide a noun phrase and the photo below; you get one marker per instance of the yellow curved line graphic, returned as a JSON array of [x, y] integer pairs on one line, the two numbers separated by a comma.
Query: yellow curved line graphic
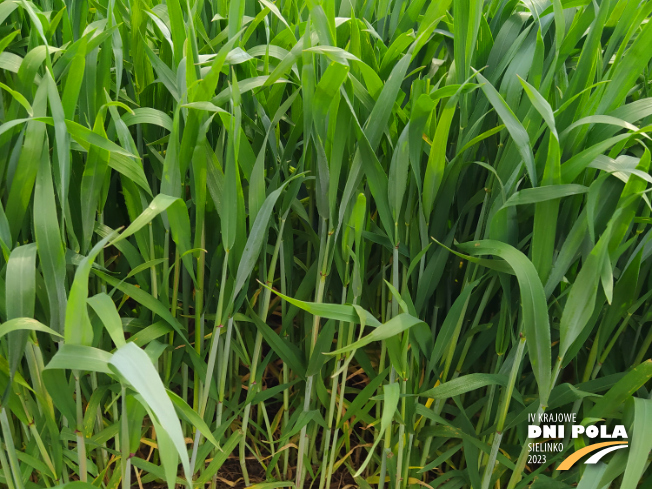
[[571, 459]]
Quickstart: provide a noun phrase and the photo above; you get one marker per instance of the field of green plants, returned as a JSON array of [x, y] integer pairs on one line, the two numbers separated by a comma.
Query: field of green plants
[[331, 243]]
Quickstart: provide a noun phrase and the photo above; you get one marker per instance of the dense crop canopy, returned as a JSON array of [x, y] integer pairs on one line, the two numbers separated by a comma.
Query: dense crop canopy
[[323, 243]]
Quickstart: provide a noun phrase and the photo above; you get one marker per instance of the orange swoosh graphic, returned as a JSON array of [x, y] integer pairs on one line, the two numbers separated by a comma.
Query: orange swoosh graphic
[[570, 460]]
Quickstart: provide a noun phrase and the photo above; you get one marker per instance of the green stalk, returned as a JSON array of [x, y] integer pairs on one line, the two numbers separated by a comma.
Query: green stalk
[[392, 373], [165, 284], [257, 349], [11, 450], [388, 442], [327, 439], [636, 338], [609, 346], [217, 331], [644, 348], [502, 414], [592, 358], [286, 418], [35, 365], [81, 444], [213, 350], [37, 438], [104, 459], [496, 363], [395, 275], [199, 316], [9, 479], [152, 269], [401, 436], [195, 446], [406, 468], [173, 311], [517, 474], [383, 346], [223, 369], [116, 439], [401, 428], [124, 442], [438, 405], [303, 436], [340, 411], [268, 427], [522, 458], [285, 371], [301, 469], [184, 390], [101, 286], [325, 474]]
